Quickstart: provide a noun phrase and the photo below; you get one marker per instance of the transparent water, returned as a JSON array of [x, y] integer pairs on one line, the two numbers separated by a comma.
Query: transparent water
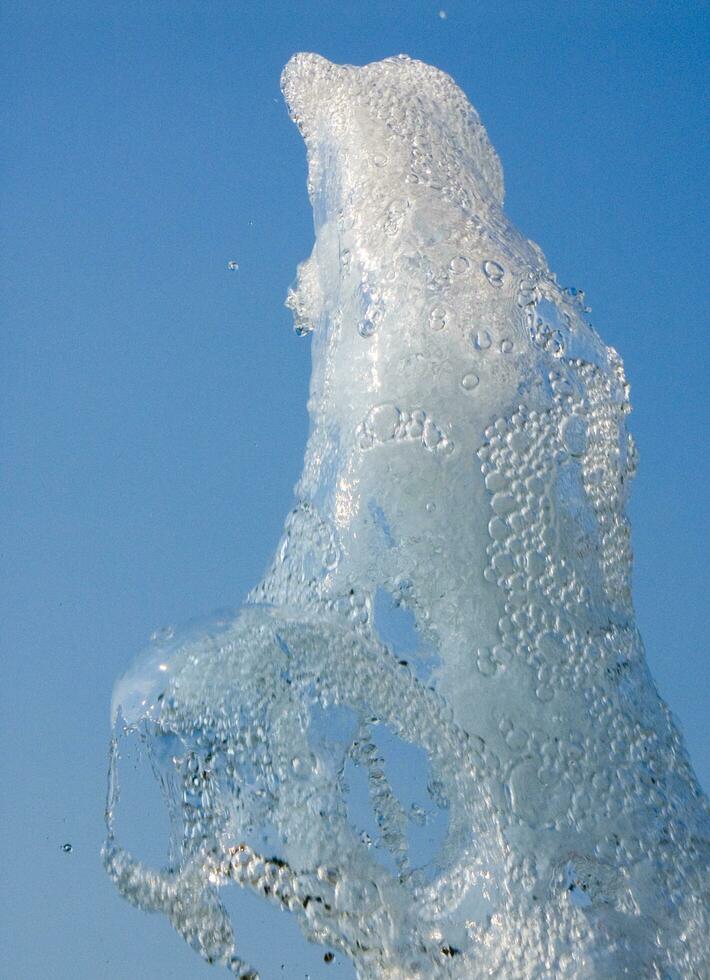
[[430, 734]]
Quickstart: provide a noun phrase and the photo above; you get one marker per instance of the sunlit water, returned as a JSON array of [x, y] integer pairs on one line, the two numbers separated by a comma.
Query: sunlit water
[[430, 733]]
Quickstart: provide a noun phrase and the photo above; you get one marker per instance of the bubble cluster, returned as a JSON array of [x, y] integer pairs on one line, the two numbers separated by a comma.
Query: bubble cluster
[[430, 733], [387, 423]]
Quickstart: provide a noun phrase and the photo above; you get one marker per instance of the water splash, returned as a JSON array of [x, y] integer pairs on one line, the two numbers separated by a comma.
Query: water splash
[[430, 733]]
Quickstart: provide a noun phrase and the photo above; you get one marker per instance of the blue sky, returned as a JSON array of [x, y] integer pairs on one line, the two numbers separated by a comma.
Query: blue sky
[[153, 402]]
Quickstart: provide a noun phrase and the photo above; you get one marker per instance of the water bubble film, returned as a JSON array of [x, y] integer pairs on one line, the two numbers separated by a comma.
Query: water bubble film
[[430, 733]]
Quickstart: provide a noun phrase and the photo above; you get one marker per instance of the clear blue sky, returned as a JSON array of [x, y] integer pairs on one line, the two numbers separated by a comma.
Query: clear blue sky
[[153, 403]]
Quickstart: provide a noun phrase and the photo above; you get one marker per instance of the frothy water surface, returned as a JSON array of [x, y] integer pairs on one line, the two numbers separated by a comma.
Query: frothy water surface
[[430, 734]]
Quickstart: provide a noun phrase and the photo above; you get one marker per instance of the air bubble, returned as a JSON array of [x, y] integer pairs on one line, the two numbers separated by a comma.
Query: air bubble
[[432, 436], [383, 421], [439, 317], [494, 272], [495, 481], [485, 662], [459, 265], [482, 340], [503, 503], [574, 435]]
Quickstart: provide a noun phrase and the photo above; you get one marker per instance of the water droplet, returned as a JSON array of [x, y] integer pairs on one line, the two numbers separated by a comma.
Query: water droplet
[[232, 265], [494, 272], [67, 848], [482, 340], [470, 381], [506, 346]]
